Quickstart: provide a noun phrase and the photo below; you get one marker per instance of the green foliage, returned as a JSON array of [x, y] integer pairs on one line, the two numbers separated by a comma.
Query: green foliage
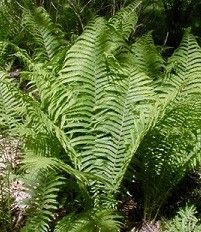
[[146, 57], [47, 36], [94, 106], [185, 221], [9, 20], [125, 20], [108, 139], [99, 220], [10, 108], [174, 143], [43, 188], [82, 127]]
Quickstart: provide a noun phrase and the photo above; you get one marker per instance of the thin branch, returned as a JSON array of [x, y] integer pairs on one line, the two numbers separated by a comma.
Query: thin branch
[[83, 8], [114, 7], [77, 13], [166, 38]]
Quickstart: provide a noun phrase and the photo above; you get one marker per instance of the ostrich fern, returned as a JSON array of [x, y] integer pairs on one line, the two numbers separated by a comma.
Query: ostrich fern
[[108, 112], [175, 142], [146, 56], [89, 115], [87, 142]]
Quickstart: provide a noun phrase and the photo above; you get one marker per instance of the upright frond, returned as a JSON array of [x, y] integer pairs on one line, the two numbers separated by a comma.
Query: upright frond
[[85, 72], [183, 77], [146, 56], [125, 20], [46, 35], [129, 113], [120, 27]]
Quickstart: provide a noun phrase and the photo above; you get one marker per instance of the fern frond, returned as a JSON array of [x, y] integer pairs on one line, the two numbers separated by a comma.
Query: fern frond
[[40, 163], [56, 100], [8, 53], [174, 149], [128, 106], [37, 122], [99, 219], [44, 32], [146, 57], [183, 77], [11, 109], [85, 72], [125, 20], [120, 27], [43, 204], [185, 221], [39, 125]]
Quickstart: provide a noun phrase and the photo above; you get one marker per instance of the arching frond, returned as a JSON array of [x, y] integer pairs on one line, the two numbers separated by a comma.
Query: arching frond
[[183, 78], [36, 121], [39, 122], [8, 54], [40, 163]]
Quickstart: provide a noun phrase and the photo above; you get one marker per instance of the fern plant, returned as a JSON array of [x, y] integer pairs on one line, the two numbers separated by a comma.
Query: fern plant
[[92, 141], [110, 126], [174, 143], [95, 105]]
